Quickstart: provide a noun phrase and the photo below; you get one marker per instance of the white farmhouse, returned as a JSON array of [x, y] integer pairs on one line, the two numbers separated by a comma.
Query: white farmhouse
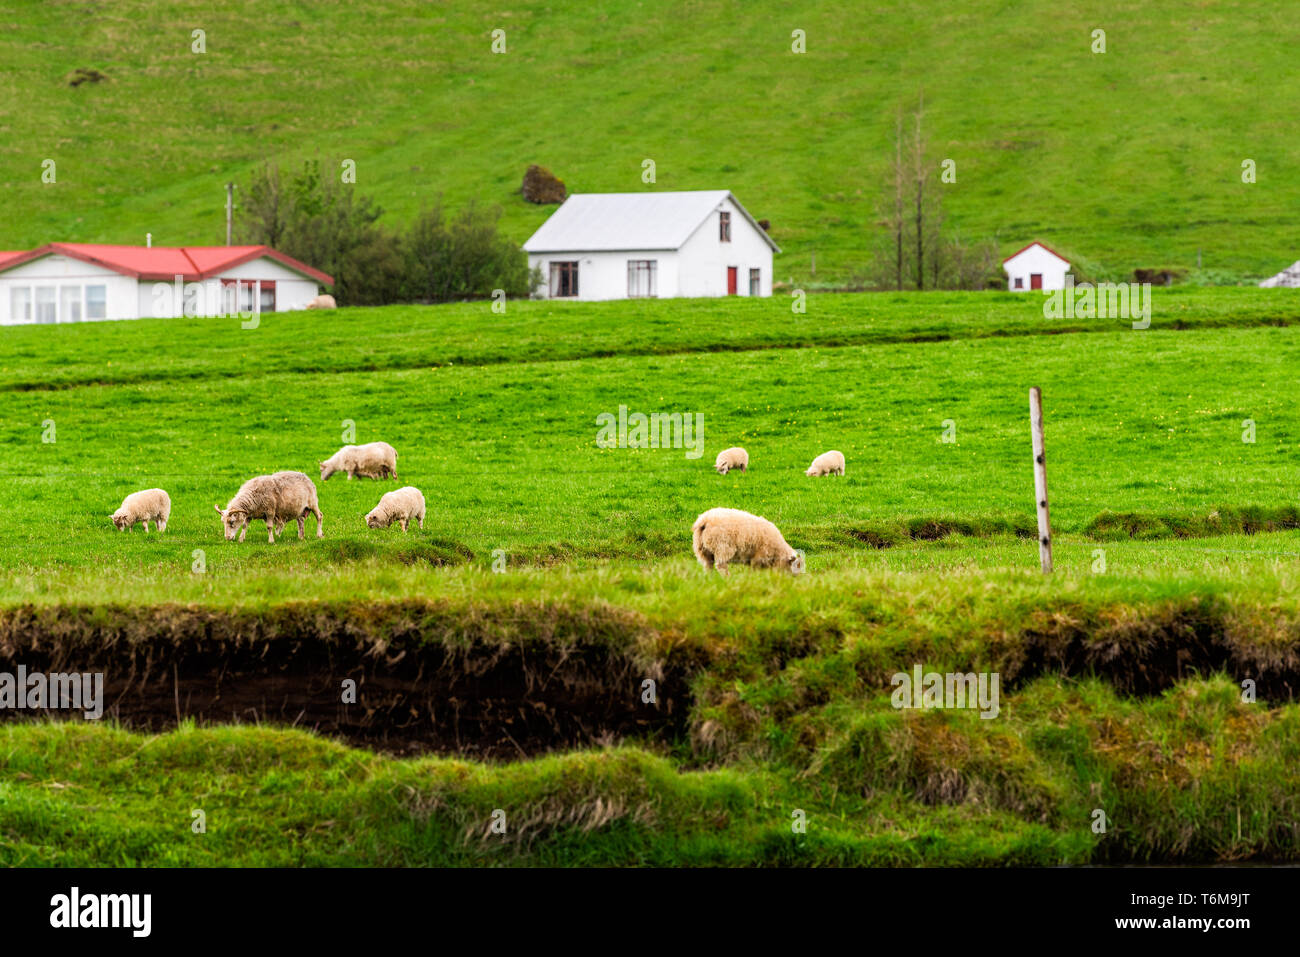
[[1035, 267], [647, 245], [76, 282]]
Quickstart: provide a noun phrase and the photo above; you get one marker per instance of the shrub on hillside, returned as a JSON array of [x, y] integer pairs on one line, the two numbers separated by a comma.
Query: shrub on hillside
[[542, 186]]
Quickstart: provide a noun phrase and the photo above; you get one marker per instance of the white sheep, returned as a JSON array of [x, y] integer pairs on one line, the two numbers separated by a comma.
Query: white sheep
[[375, 460], [151, 505], [322, 302], [733, 458], [400, 505], [276, 499], [722, 535], [828, 463]]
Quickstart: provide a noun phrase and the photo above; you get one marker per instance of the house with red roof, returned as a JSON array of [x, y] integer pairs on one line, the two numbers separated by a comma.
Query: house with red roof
[[80, 282]]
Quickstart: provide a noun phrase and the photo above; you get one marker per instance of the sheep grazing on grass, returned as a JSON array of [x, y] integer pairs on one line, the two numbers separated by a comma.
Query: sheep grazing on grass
[[376, 460], [828, 463], [151, 505], [276, 499], [723, 535], [322, 302], [400, 505], [733, 458]]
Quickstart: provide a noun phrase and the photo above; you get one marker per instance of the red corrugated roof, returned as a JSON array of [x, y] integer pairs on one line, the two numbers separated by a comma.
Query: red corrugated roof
[[1044, 245], [164, 263]]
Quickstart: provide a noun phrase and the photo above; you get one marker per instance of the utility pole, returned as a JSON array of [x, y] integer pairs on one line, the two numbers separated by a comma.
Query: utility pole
[[230, 209]]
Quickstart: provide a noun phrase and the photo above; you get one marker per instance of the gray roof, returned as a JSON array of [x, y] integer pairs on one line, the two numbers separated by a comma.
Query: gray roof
[[1288, 278], [609, 222]]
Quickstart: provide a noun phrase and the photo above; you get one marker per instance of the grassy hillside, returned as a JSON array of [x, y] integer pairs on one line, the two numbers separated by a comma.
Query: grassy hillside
[[1131, 158]]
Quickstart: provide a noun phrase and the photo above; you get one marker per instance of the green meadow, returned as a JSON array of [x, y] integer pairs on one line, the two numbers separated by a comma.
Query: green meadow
[[1131, 158], [1122, 673]]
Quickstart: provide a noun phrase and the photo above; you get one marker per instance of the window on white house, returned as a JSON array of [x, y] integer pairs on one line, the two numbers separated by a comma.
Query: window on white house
[[268, 297], [47, 307], [69, 304], [96, 302], [20, 304], [642, 280], [755, 285], [564, 280], [1020, 282], [724, 227]]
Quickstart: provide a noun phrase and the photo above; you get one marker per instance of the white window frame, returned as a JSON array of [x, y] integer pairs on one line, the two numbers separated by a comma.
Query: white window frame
[[27, 314], [103, 303], [643, 273], [52, 304]]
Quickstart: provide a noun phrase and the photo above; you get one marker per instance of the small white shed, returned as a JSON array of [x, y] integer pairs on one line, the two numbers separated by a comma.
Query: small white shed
[[1035, 267], [80, 282], [651, 245]]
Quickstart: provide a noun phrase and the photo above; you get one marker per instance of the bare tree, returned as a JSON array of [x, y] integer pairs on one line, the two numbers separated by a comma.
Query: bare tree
[[915, 243]]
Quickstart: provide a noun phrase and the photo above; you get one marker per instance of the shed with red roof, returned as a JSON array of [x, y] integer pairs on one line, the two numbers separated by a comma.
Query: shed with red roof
[[1035, 267]]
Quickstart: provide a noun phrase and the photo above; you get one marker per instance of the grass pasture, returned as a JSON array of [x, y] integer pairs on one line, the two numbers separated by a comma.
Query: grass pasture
[[1177, 547]]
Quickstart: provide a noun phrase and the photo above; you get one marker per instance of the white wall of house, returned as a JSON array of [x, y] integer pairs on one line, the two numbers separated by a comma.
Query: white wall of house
[[160, 300], [705, 258], [83, 292], [80, 292], [1036, 260], [604, 275]]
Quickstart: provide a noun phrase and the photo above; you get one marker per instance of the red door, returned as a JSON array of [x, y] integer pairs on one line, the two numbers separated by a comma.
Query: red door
[[731, 280], [1035, 280]]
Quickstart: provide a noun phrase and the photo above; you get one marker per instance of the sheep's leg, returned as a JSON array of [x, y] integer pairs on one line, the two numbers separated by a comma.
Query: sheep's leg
[[320, 528], [162, 526], [422, 522], [270, 531], [243, 528], [146, 525], [302, 525], [404, 522]]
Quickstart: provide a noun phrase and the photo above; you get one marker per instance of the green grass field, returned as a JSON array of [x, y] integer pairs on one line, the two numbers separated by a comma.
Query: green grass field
[[1124, 159], [1176, 550]]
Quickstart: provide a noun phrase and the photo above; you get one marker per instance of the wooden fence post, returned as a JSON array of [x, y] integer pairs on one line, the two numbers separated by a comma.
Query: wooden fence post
[[1040, 479]]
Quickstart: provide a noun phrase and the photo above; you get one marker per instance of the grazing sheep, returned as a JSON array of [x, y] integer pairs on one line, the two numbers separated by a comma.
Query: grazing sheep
[[322, 302], [277, 499], [400, 505], [376, 460], [828, 463], [733, 458], [722, 535], [151, 505]]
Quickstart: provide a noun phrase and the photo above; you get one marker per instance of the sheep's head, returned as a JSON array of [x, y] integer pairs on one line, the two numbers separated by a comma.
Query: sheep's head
[[722, 469], [119, 520], [811, 470], [232, 520], [796, 564], [373, 520], [326, 470]]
